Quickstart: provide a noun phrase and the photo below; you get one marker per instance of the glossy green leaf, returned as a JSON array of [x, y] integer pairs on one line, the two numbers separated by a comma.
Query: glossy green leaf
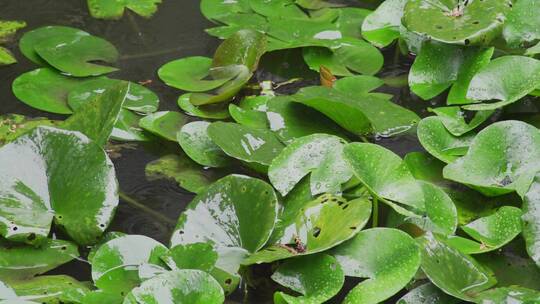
[[251, 145], [81, 202], [455, 273], [245, 48], [531, 219], [514, 294], [511, 269], [178, 286], [139, 98], [115, 264], [501, 158], [45, 89], [277, 8], [249, 118], [388, 267], [8, 29], [14, 125], [22, 262], [381, 27], [317, 278], [106, 9], [216, 111], [30, 39], [191, 256], [225, 92], [51, 289], [127, 127], [317, 226], [453, 119], [522, 26], [165, 124], [97, 118], [384, 173], [474, 59], [100, 297], [320, 155], [454, 22], [427, 293], [197, 144], [497, 229], [111, 235], [506, 79], [217, 9], [439, 142]]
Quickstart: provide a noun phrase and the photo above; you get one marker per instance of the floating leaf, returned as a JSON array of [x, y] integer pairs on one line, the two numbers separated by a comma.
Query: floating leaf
[[249, 118], [251, 145], [127, 127], [317, 277], [318, 154], [191, 256], [381, 27], [474, 59], [531, 219], [507, 79], [8, 29], [178, 286], [522, 28], [106, 9], [245, 48], [51, 289], [217, 9], [497, 229], [511, 269], [453, 119], [319, 225], [209, 111], [427, 293], [388, 267], [23, 262], [455, 22], [514, 294], [115, 264], [36, 36], [501, 158], [440, 143], [194, 139], [14, 125], [165, 124], [73, 182], [455, 273]]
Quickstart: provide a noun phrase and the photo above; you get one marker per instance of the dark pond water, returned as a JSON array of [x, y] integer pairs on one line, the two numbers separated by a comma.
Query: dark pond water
[[176, 31]]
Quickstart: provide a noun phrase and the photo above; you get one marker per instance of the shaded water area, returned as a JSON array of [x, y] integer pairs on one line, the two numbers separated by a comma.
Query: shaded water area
[[176, 31]]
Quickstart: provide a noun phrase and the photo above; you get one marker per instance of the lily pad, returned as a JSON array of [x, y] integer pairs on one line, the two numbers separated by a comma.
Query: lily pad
[[531, 220], [455, 273], [501, 158], [127, 127], [115, 264], [439, 142], [83, 207], [217, 9], [22, 262], [36, 36], [14, 125], [51, 289], [245, 48], [496, 230], [251, 145], [191, 256], [514, 294], [194, 139], [318, 154], [522, 27], [106, 9], [381, 27], [427, 293], [388, 267], [165, 124], [317, 277], [507, 79], [249, 118], [455, 22], [209, 111], [453, 119], [8, 29], [178, 286]]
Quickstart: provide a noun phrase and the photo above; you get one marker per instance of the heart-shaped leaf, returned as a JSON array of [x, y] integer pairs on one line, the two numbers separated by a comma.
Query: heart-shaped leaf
[[104, 9], [381, 27], [317, 277], [116, 263], [456, 22], [194, 139], [216, 111], [522, 28], [440, 143], [502, 158], [453, 119], [73, 182], [318, 154], [388, 267], [21, 262], [178, 286], [249, 118], [165, 124], [497, 229]]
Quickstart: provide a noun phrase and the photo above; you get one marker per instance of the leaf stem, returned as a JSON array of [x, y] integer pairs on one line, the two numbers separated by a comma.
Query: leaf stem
[[126, 198], [375, 219]]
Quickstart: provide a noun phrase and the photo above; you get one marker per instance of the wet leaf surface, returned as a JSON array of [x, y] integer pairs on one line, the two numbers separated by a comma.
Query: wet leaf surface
[[104, 9]]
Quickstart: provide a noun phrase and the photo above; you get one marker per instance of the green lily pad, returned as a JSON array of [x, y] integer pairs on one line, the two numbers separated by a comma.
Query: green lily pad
[[115, 264], [455, 22], [453, 119], [427, 293], [317, 226], [501, 158], [511, 269], [277, 8], [514, 294], [217, 9], [105, 9], [74, 55], [96, 118], [531, 219], [381, 27], [317, 278], [384, 173], [180, 168], [14, 125], [245, 48], [8, 29], [522, 28], [503, 79], [200, 256], [194, 139], [87, 200], [497, 229], [236, 214], [455, 273], [225, 92], [209, 111], [139, 98], [100, 297], [127, 127], [320, 155], [165, 124], [249, 118], [51, 289], [22, 262], [178, 286], [111, 235], [32, 38], [257, 146], [45, 89], [388, 267], [439, 142]]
